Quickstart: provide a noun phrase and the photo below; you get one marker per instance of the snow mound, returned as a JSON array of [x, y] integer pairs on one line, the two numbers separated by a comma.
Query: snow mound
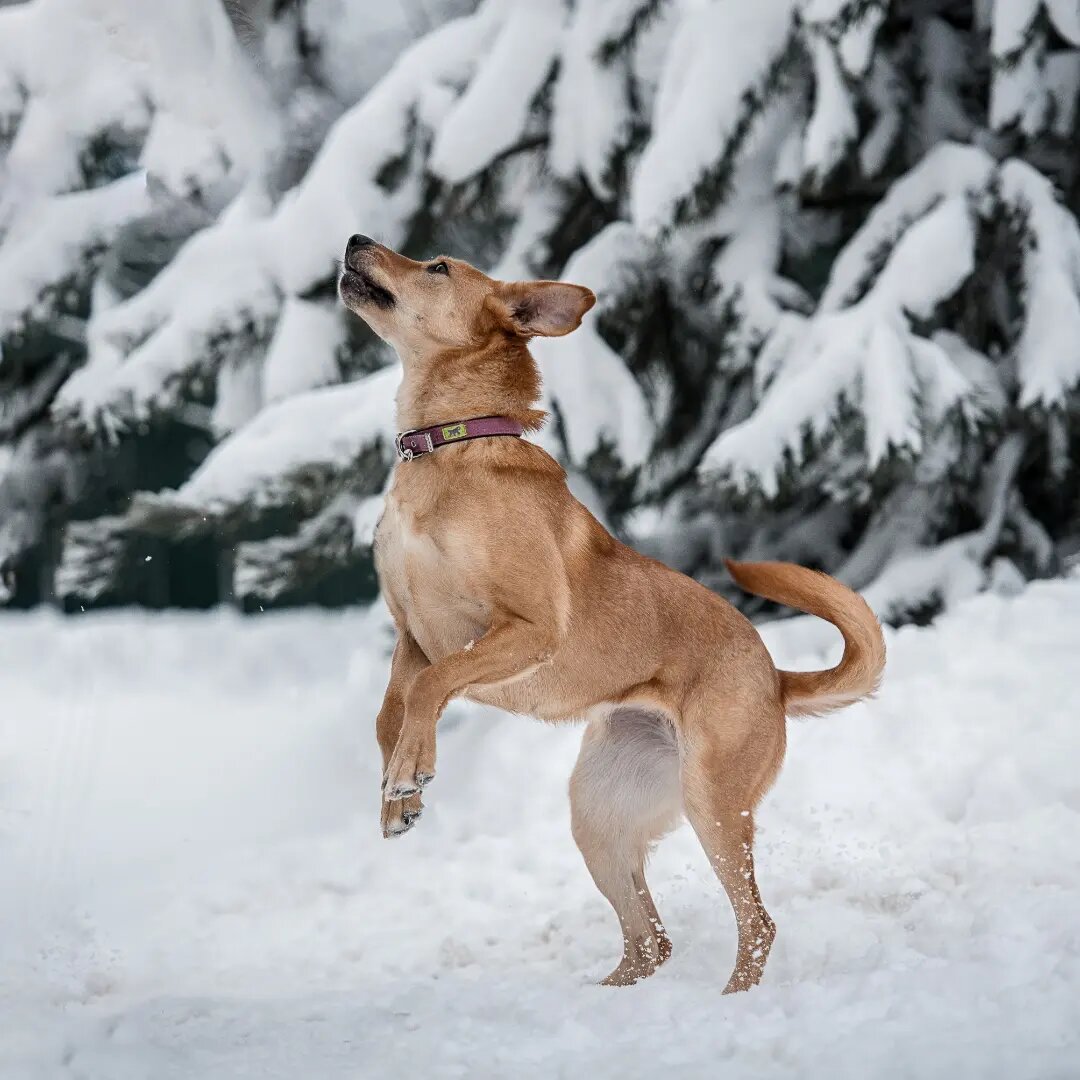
[[195, 884]]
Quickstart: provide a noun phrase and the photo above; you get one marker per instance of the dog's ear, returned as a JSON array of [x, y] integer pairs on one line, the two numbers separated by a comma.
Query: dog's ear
[[540, 308]]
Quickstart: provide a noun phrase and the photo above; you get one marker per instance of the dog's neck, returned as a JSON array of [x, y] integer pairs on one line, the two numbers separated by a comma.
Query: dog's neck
[[498, 379]]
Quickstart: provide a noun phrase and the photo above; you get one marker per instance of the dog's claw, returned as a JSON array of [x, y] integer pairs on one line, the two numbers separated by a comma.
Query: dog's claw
[[401, 791], [424, 778]]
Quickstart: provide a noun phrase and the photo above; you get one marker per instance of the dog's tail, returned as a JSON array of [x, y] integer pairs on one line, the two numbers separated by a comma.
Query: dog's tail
[[812, 693]]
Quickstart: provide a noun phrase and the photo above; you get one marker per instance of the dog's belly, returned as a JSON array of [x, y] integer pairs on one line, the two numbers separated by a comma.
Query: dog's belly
[[554, 691], [529, 694], [426, 579]]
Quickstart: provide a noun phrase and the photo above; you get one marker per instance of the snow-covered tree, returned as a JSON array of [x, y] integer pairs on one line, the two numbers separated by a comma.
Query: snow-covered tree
[[834, 243]]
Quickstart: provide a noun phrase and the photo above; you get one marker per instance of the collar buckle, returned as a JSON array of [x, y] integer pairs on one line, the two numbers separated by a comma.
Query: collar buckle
[[406, 453]]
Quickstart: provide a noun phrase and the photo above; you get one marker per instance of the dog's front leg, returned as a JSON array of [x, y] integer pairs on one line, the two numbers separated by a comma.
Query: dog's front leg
[[409, 660], [511, 649]]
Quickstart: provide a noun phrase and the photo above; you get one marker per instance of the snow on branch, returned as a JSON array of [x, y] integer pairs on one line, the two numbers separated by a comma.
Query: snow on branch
[[293, 456], [61, 84], [56, 239], [1020, 94], [146, 352], [839, 37], [221, 295], [852, 25], [955, 569], [267, 569], [865, 360], [347, 188], [949, 169], [341, 532], [1048, 347], [724, 63], [586, 383], [492, 114], [617, 24], [95, 557], [586, 140], [1065, 15], [833, 126]]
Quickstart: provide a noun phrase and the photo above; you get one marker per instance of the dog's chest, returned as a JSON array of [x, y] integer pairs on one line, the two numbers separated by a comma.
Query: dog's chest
[[433, 576]]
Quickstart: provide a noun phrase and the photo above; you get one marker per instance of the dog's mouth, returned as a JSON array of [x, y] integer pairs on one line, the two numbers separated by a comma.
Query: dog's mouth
[[358, 287]]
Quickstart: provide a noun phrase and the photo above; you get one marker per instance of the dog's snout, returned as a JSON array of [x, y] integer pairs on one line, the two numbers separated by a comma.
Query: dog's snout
[[357, 241], [356, 251]]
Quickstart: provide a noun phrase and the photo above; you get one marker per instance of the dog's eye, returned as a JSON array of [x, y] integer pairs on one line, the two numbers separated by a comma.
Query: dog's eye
[[439, 268]]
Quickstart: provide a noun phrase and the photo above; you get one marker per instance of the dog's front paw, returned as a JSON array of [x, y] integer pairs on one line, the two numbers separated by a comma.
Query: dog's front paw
[[400, 815], [411, 769]]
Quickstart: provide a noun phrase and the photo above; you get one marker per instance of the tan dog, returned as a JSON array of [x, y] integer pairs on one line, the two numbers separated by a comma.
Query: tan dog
[[506, 590]]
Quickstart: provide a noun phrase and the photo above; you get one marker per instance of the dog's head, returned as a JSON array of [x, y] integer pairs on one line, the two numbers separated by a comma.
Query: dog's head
[[427, 308]]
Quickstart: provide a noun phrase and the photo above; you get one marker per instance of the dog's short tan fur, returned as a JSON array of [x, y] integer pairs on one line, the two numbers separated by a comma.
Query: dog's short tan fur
[[507, 591]]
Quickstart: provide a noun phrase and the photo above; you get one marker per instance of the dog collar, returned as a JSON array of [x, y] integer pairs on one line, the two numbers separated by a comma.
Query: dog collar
[[420, 441]]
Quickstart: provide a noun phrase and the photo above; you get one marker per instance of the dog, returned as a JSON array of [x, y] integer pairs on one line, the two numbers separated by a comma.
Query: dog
[[506, 590]]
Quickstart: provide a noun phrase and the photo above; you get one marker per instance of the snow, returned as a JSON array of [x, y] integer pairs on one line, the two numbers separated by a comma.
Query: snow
[[1065, 15], [946, 69], [833, 126], [945, 574], [218, 284], [884, 90], [340, 193], [596, 397], [856, 44], [585, 140], [303, 352], [930, 261], [86, 87], [1012, 26], [237, 393], [491, 115], [358, 45], [231, 278], [195, 884], [323, 429], [128, 65], [205, 128], [1016, 94], [948, 169], [366, 519], [1048, 348], [1063, 84], [700, 99], [853, 34], [51, 240], [866, 357]]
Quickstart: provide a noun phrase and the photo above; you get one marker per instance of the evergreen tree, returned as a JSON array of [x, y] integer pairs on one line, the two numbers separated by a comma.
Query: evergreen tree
[[834, 244]]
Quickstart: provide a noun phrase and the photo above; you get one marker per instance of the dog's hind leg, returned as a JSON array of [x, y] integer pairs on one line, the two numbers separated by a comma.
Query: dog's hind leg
[[624, 795], [726, 769]]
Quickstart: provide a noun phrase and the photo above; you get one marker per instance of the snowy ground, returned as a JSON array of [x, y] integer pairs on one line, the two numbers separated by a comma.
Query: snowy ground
[[196, 885]]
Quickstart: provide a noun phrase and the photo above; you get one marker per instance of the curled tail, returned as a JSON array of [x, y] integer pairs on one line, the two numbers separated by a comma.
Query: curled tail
[[811, 693]]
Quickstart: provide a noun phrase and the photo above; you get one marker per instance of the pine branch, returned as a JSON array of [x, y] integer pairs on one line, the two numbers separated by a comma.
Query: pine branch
[[618, 42], [267, 569]]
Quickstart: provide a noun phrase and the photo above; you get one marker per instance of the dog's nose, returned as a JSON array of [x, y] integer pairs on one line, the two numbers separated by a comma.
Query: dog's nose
[[357, 241]]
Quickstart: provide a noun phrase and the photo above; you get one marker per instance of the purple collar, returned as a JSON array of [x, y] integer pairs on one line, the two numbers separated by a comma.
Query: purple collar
[[420, 441]]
